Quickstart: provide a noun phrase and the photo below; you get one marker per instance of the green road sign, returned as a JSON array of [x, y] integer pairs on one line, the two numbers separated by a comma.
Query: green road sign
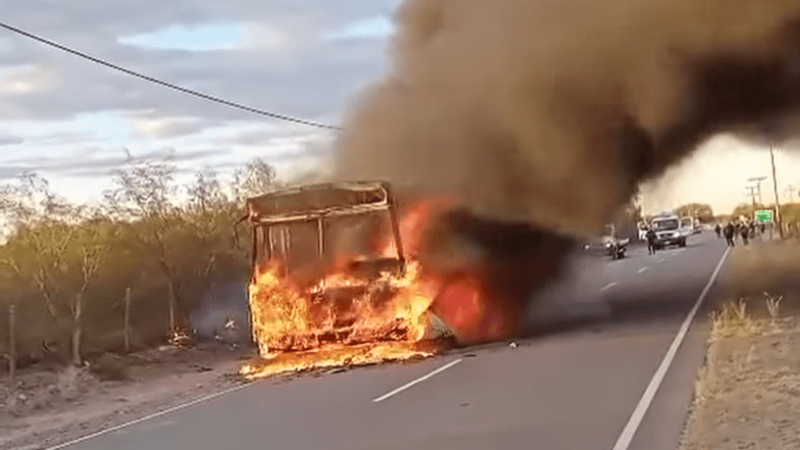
[[764, 216]]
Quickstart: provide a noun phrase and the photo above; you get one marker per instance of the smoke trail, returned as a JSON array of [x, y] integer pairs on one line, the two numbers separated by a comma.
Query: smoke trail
[[550, 113]]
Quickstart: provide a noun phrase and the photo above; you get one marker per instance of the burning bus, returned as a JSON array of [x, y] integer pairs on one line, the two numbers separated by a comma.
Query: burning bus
[[331, 283]]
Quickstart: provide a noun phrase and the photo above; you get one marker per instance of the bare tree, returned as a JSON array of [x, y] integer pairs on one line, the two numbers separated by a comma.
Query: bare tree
[[31, 200], [257, 177], [92, 258], [48, 244], [145, 193], [40, 220], [206, 194]]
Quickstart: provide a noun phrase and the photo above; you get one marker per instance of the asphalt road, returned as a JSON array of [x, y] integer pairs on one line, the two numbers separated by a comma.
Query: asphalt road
[[574, 388]]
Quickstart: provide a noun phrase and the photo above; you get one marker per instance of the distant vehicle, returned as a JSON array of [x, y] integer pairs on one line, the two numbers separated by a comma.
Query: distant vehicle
[[642, 227], [669, 231], [690, 226], [607, 245]]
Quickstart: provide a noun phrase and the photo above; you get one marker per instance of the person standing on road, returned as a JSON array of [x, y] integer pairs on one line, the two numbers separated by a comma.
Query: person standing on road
[[729, 232], [718, 229], [651, 241], [745, 233]]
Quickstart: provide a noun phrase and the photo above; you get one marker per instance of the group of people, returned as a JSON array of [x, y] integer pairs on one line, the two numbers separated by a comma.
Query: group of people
[[747, 230]]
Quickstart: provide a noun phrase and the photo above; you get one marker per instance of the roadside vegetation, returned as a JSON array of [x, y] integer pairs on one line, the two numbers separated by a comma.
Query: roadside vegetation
[[748, 391], [148, 252]]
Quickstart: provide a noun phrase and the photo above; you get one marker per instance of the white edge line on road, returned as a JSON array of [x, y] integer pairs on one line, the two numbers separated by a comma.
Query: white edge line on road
[[417, 381], [632, 426], [608, 286], [642, 270], [151, 416]]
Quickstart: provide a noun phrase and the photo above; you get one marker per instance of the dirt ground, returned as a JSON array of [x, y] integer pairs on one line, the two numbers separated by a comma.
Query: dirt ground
[[53, 405], [748, 392]]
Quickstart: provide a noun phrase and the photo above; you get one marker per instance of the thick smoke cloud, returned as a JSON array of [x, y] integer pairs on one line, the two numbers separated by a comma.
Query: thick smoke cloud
[[545, 116], [552, 112]]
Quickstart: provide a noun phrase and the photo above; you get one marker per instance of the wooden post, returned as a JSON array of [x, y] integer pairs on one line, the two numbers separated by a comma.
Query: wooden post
[[171, 308], [77, 330], [127, 325], [12, 347]]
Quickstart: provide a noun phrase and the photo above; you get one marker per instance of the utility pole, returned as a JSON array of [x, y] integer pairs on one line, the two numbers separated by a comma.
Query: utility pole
[[751, 194], [775, 186], [757, 188]]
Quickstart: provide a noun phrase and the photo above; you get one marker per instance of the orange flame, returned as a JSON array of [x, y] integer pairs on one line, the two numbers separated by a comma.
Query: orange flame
[[344, 319], [352, 319]]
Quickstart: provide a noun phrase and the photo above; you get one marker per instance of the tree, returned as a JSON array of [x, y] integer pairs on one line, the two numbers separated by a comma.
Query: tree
[[40, 222], [145, 194], [746, 210], [92, 256], [208, 215], [256, 178], [702, 212]]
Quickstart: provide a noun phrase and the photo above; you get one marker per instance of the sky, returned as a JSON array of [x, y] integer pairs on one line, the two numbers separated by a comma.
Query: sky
[[73, 121]]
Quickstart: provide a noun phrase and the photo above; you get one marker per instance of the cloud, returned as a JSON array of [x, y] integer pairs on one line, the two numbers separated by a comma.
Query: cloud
[[196, 38], [370, 28], [26, 79], [169, 126], [104, 164], [8, 139], [74, 116]]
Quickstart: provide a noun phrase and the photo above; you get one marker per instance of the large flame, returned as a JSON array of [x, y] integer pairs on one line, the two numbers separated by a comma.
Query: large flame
[[349, 318], [345, 319]]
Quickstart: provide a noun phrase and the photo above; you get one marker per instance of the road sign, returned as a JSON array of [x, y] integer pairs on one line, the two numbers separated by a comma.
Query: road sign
[[764, 216]]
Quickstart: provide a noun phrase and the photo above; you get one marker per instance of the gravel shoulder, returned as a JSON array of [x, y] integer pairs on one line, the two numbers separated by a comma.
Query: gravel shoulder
[[52, 405], [748, 393]]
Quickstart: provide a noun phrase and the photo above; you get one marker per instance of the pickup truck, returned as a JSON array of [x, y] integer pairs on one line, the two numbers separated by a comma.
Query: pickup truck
[[669, 231]]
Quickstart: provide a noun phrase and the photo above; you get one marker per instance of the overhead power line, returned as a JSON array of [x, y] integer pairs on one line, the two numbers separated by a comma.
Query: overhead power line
[[169, 85]]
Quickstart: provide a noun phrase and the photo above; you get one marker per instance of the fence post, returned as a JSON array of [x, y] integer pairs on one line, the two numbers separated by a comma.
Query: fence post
[[171, 309], [12, 347], [127, 329], [77, 330]]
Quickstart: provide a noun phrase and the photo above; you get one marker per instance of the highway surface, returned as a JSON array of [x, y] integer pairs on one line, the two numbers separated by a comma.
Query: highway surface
[[603, 386]]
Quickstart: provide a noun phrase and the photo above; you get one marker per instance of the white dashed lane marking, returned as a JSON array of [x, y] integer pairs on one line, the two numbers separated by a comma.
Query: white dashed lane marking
[[417, 381], [608, 286]]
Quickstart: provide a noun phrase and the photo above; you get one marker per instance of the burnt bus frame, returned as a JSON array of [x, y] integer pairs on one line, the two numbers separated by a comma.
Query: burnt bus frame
[[264, 225]]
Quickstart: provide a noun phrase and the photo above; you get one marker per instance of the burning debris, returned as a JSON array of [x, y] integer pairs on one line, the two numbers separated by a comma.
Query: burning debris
[[537, 120], [181, 338]]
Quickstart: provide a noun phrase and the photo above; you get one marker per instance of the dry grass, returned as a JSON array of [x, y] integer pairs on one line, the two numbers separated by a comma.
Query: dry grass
[[773, 307], [763, 267], [749, 381], [733, 321], [45, 390], [72, 382]]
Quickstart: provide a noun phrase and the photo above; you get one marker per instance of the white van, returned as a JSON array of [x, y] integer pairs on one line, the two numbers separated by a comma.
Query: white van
[[668, 231]]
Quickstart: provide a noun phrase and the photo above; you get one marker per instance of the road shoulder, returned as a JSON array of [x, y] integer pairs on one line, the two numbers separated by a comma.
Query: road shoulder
[[748, 391]]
